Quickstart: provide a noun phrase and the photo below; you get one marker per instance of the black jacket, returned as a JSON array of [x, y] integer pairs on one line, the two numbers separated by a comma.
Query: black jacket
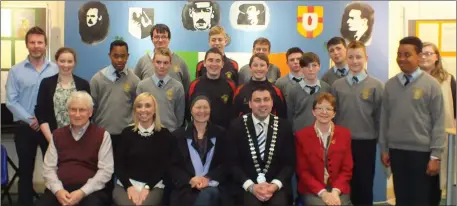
[[44, 109]]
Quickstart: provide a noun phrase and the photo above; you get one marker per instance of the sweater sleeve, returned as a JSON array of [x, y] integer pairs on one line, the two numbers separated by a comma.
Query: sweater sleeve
[[120, 159], [453, 94], [384, 123], [437, 116]]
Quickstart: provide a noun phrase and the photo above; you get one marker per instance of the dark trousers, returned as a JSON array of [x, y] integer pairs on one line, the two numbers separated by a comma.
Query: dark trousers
[[114, 140], [411, 183], [27, 140], [209, 196], [435, 190], [364, 157], [97, 198], [279, 198]]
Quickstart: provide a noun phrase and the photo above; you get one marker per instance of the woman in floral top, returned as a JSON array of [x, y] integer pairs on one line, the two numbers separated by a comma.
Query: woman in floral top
[[51, 110]]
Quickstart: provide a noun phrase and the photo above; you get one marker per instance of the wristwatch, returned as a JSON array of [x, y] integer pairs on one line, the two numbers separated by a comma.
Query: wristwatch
[[147, 187]]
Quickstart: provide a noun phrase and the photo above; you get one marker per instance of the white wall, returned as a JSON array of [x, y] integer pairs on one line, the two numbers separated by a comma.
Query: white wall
[[56, 40], [400, 12]]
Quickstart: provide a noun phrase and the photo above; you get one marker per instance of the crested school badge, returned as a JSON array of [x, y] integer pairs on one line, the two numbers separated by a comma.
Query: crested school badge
[[170, 94], [365, 93], [418, 93], [127, 87], [228, 75], [224, 98]]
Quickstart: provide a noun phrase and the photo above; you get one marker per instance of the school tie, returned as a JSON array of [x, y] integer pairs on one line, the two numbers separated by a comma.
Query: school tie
[[408, 79], [261, 140], [312, 89], [342, 71], [355, 80], [160, 84], [296, 79], [118, 74]]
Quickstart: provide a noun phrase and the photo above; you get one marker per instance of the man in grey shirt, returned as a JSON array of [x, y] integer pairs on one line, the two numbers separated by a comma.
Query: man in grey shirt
[[295, 75], [336, 47], [160, 36], [167, 91], [261, 45], [79, 160], [412, 131]]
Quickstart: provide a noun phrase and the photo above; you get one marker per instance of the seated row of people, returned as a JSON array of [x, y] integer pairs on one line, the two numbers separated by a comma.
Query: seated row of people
[[201, 163]]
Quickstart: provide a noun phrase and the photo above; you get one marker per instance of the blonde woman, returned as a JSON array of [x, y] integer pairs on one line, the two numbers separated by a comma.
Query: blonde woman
[[431, 63], [143, 156]]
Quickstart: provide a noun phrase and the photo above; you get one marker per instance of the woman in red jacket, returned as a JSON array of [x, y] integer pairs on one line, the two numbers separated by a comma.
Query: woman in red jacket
[[324, 159]]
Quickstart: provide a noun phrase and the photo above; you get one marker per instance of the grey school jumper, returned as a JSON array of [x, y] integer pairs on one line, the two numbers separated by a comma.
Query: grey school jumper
[[244, 75], [299, 110], [330, 76], [113, 101], [285, 84], [358, 106], [170, 99], [412, 116], [178, 69]]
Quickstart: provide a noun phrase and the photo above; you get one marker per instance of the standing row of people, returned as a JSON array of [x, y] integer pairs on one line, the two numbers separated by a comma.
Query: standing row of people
[[358, 97]]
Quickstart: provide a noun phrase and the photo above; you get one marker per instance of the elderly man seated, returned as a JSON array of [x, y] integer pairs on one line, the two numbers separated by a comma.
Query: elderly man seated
[[79, 160]]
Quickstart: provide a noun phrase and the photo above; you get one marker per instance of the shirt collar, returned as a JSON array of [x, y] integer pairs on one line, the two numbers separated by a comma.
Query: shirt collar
[[156, 79], [149, 130], [81, 131], [291, 76], [335, 70], [45, 62], [303, 84], [360, 76], [256, 121], [112, 70], [414, 75]]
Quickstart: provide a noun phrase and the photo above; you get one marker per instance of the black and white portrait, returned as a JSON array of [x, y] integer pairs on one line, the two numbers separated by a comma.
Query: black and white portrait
[[249, 15], [93, 22], [200, 15], [357, 22], [141, 20]]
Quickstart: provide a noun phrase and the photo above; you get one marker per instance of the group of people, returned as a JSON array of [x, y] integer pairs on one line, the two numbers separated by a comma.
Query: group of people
[[150, 136]]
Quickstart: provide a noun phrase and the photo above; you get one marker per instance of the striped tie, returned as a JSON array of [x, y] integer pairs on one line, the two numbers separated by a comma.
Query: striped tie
[[160, 83], [261, 139], [355, 80]]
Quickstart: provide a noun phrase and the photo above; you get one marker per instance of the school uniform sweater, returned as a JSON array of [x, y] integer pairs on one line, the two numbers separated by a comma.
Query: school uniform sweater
[[358, 106], [285, 84], [170, 98], [330, 76], [412, 116], [300, 108], [113, 100], [178, 69]]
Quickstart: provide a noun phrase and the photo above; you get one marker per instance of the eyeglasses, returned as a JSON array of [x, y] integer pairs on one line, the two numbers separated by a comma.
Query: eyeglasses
[[324, 109], [160, 37], [427, 54]]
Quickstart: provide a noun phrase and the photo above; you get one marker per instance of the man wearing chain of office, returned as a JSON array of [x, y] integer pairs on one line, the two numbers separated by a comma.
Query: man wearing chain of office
[[263, 153]]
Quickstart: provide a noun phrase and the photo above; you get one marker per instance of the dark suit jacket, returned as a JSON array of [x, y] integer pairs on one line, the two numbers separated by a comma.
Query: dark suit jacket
[[183, 170], [44, 109], [283, 163], [310, 161]]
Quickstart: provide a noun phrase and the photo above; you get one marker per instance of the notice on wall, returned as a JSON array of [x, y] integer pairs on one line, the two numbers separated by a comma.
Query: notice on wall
[[448, 37]]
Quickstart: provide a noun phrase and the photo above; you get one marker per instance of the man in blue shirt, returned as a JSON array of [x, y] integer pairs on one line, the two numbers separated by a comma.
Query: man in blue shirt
[[22, 87]]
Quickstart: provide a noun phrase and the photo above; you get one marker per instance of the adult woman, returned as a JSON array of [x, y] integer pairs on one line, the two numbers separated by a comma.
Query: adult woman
[[198, 164], [432, 64], [324, 158], [51, 110], [142, 156]]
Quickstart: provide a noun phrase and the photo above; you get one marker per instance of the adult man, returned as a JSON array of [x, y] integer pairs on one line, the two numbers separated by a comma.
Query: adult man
[[93, 22], [22, 87], [303, 94], [412, 131], [218, 89], [261, 45], [161, 36], [357, 22], [286, 83], [361, 89], [167, 91], [79, 161], [262, 154], [114, 89], [200, 15], [251, 14], [218, 39], [336, 47]]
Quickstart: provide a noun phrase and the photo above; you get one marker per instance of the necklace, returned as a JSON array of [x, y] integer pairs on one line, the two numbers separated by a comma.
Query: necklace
[[261, 172], [145, 133]]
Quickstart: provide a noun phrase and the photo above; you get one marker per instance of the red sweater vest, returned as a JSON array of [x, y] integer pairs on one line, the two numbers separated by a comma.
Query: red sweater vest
[[77, 160]]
